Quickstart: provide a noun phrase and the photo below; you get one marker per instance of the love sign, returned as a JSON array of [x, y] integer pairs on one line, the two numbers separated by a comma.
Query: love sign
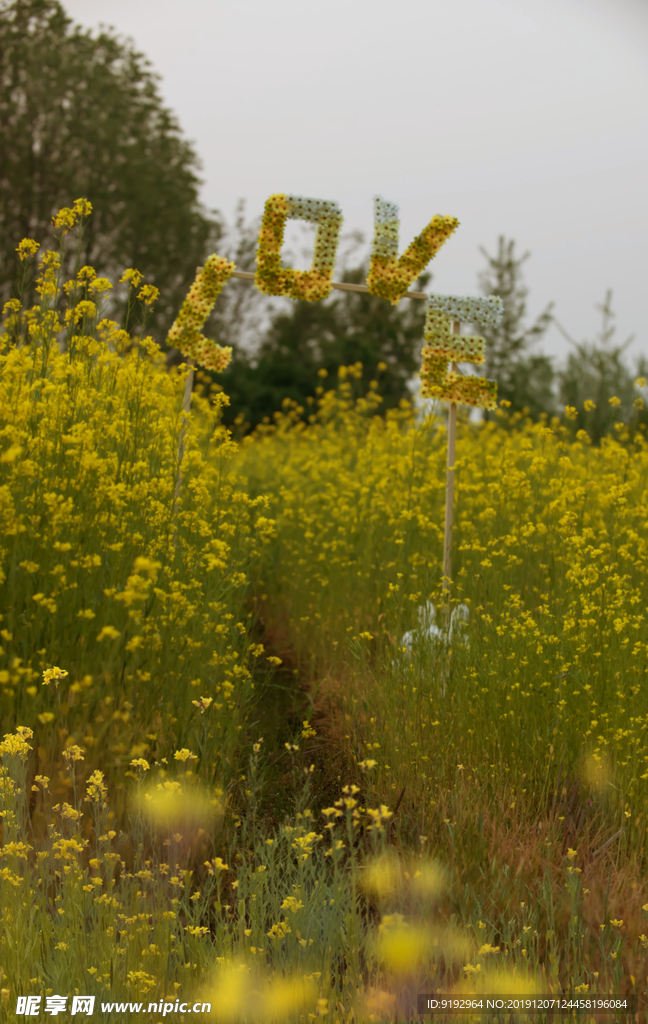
[[389, 277]]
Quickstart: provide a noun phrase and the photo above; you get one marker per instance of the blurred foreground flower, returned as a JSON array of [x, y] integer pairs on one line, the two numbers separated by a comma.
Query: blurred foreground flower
[[406, 949], [597, 770], [383, 876], [402, 947], [239, 992], [387, 875], [171, 806], [380, 1005]]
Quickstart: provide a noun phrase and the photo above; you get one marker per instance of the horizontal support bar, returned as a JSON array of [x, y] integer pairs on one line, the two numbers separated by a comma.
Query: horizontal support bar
[[244, 275]]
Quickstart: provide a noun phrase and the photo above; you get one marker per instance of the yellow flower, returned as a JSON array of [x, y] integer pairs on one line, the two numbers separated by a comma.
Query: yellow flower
[[84, 310], [99, 285], [65, 219], [108, 632], [82, 207], [53, 675], [203, 703], [292, 903], [131, 276], [17, 746], [28, 247], [184, 755], [148, 294], [96, 788], [70, 812], [73, 753]]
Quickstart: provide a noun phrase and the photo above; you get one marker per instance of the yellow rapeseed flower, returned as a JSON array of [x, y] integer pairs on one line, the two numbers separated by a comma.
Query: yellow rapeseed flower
[[27, 248], [184, 755], [73, 753], [148, 294], [53, 675], [131, 276]]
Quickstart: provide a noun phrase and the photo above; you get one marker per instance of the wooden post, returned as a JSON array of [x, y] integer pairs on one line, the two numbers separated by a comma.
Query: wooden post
[[447, 530], [186, 398], [449, 502], [184, 426]]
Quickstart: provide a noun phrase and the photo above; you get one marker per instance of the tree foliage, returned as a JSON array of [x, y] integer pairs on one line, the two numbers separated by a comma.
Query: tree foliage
[[525, 378], [309, 341], [81, 115], [597, 382]]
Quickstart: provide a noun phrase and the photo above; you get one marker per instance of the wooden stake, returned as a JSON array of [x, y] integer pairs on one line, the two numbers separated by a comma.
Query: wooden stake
[[449, 508], [184, 426], [449, 502]]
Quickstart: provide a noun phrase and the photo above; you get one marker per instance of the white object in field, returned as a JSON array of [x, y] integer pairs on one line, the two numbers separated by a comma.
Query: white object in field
[[428, 629]]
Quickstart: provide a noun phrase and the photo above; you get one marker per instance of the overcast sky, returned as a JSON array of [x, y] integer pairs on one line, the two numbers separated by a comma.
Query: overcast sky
[[526, 118]]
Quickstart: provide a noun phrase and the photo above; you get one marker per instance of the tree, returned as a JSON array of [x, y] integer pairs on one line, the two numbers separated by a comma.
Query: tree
[[597, 374], [524, 378], [315, 338], [81, 115]]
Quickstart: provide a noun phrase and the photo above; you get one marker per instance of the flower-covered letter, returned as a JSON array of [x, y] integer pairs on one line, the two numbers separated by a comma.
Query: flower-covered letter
[[274, 279], [185, 332], [390, 277], [443, 347]]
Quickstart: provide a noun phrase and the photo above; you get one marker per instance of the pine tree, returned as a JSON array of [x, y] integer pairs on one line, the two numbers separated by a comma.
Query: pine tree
[[524, 378], [596, 373]]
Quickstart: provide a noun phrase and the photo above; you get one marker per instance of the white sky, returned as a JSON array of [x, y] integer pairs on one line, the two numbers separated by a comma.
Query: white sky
[[526, 118]]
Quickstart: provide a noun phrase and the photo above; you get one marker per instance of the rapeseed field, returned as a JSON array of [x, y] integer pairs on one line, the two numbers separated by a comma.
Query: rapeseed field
[[260, 759]]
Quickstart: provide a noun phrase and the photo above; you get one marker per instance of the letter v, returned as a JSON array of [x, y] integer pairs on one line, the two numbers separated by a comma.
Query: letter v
[[390, 277]]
